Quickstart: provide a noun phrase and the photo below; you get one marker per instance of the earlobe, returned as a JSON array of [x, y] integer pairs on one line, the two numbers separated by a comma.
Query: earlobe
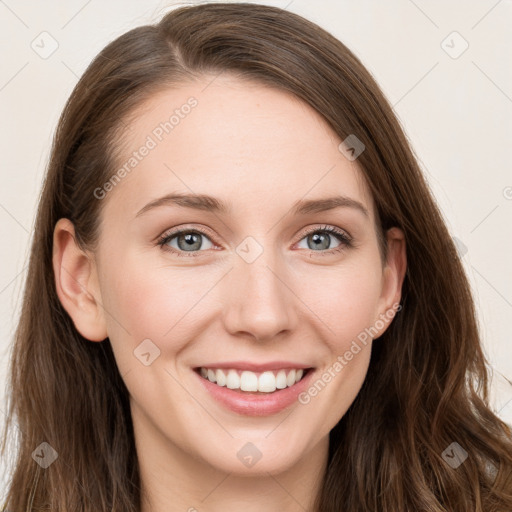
[[76, 283]]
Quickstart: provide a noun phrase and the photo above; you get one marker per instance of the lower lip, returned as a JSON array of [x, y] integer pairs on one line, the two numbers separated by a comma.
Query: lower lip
[[256, 404]]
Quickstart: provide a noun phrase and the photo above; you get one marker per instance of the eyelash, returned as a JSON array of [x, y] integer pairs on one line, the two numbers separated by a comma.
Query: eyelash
[[345, 239]]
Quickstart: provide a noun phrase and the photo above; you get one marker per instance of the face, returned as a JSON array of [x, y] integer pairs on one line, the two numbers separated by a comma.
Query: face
[[278, 270]]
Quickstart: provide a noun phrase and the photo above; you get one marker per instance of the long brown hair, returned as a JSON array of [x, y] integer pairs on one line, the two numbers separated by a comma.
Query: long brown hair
[[427, 384]]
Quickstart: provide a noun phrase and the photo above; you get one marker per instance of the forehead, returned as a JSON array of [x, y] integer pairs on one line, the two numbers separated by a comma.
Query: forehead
[[241, 141]]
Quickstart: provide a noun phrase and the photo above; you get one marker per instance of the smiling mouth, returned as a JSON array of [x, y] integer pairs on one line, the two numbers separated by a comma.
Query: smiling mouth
[[254, 383]]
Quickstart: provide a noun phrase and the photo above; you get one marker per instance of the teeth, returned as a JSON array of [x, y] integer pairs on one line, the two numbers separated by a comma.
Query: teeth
[[265, 382], [281, 379], [220, 377], [248, 381], [233, 380]]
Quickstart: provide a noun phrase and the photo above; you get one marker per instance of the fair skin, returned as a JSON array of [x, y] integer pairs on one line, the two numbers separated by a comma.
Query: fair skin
[[258, 150]]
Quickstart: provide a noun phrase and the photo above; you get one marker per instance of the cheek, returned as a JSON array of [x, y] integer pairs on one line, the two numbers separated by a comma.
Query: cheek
[[345, 299], [346, 304], [144, 301]]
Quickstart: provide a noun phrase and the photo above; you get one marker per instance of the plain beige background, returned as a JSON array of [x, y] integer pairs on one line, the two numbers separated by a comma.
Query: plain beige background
[[445, 67]]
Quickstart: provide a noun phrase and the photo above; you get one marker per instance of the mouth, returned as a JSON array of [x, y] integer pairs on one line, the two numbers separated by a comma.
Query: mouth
[[247, 382], [250, 389]]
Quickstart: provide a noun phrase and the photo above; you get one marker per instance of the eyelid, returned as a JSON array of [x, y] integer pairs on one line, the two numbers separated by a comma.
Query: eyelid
[[185, 228]]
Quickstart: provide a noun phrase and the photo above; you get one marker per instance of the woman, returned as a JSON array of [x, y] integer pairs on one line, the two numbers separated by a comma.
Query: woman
[[242, 293]]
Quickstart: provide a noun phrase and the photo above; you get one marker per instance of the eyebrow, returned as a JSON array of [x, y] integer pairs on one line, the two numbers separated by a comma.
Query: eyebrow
[[212, 204]]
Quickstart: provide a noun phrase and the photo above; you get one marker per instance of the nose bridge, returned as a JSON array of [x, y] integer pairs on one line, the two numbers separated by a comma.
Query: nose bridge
[[259, 301]]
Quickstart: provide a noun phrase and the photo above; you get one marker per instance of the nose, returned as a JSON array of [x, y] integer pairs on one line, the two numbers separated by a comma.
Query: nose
[[259, 299]]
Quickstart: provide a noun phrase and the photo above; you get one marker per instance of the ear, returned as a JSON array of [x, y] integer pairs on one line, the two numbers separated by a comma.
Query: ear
[[76, 283], [392, 279]]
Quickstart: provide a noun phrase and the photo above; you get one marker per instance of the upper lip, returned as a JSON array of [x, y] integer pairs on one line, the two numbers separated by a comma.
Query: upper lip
[[256, 367]]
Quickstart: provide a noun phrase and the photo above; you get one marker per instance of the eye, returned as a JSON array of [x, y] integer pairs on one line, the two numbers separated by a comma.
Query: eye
[[319, 239], [190, 242], [185, 240]]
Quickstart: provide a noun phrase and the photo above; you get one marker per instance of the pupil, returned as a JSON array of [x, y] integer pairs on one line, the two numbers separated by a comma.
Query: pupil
[[318, 239], [192, 241]]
